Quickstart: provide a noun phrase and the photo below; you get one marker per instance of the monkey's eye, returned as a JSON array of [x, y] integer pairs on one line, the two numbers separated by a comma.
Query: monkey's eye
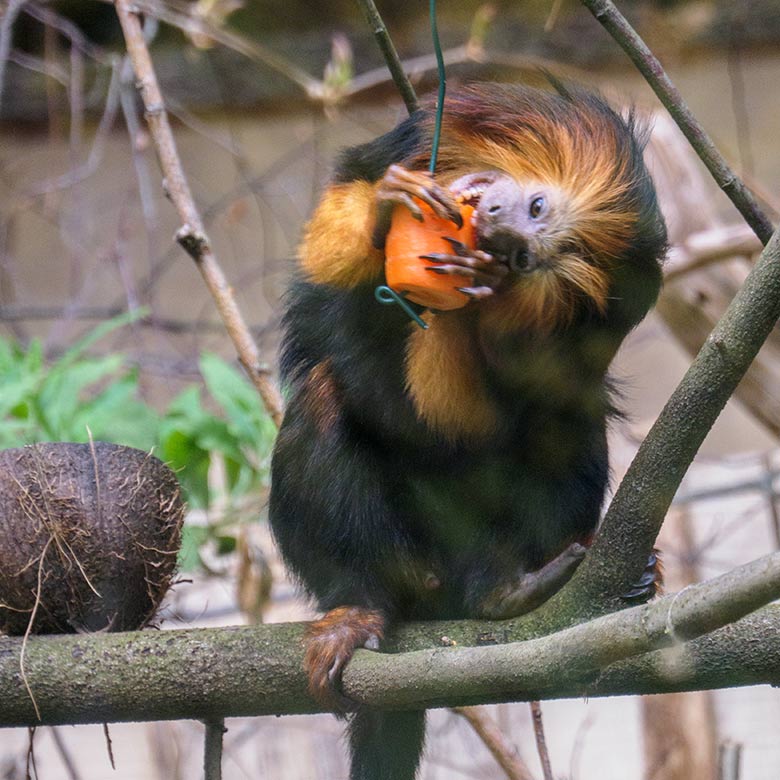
[[536, 207]]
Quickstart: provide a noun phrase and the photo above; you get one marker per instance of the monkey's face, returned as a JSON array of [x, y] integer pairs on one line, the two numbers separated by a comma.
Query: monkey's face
[[532, 226]]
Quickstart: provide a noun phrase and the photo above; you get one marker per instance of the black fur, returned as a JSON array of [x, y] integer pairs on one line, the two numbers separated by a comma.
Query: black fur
[[365, 510]]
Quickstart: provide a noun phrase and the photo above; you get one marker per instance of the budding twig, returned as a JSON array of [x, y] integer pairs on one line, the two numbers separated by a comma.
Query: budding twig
[[192, 235]]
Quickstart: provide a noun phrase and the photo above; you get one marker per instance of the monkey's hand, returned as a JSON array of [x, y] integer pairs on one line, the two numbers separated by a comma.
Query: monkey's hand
[[330, 643], [400, 186], [527, 592], [486, 273]]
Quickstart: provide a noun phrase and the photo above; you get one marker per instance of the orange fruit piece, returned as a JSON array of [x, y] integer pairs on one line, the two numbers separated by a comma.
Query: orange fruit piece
[[407, 273]]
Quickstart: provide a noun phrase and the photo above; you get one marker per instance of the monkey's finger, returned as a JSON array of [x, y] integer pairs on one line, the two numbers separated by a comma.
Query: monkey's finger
[[397, 181], [479, 261], [457, 270], [461, 250], [404, 199], [372, 643], [476, 293]]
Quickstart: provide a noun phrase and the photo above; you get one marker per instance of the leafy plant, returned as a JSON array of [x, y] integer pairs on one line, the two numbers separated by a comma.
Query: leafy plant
[[221, 425], [191, 437], [74, 397]]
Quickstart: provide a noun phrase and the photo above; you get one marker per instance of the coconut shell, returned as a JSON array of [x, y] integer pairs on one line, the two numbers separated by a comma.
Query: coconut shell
[[89, 535]]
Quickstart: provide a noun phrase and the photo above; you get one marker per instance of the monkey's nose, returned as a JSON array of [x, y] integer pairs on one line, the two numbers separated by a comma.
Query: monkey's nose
[[523, 261], [511, 247]]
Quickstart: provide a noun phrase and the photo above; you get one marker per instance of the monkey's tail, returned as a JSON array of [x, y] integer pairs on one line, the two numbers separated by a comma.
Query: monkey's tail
[[386, 745]]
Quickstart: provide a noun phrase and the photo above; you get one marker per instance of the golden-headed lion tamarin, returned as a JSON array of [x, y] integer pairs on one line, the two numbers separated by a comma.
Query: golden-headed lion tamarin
[[426, 473]]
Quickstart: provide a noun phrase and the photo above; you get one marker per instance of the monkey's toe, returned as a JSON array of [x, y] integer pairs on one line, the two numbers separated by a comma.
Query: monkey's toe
[[330, 643]]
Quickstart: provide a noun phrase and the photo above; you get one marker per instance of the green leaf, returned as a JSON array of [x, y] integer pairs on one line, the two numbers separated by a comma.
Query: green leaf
[[192, 538], [234, 394]]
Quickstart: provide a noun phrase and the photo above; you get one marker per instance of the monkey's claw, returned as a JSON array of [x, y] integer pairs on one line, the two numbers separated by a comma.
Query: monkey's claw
[[400, 186], [485, 271], [330, 643], [650, 582]]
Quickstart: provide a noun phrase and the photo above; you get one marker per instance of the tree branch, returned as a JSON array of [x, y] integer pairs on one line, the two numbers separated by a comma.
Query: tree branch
[[655, 75], [495, 741], [642, 499], [394, 64], [225, 672], [192, 235]]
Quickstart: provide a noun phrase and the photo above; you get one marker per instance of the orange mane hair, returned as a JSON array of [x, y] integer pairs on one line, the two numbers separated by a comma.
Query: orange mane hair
[[573, 142]]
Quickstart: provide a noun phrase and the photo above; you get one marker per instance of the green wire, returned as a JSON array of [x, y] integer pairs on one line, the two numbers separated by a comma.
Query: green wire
[[442, 87]]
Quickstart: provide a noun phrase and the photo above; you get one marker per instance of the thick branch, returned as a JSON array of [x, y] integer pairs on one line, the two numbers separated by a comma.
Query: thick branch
[[640, 503], [192, 235], [650, 67], [213, 673], [574, 656]]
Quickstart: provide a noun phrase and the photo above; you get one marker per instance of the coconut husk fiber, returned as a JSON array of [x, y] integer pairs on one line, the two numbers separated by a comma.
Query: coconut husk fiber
[[89, 535]]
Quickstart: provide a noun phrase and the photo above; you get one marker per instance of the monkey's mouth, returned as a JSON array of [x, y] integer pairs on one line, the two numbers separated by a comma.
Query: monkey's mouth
[[509, 248], [469, 189]]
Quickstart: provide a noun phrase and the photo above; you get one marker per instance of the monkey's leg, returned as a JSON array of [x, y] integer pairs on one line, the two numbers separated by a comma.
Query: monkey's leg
[[525, 593], [330, 643], [400, 187]]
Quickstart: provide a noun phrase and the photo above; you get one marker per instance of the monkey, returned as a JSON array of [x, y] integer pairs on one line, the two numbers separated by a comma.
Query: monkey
[[458, 471]]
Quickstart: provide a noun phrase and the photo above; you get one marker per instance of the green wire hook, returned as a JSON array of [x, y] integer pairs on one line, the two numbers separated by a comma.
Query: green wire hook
[[442, 87], [383, 293], [387, 295]]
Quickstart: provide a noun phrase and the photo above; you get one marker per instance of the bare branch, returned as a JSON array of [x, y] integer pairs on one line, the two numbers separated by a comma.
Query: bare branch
[[212, 757], [638, 508], [178, 14], [541, 741], [650, 67], [257, 670], [495, 741], [192, 235], [394, 64], [6, 35], [708, 247], [576, 655]]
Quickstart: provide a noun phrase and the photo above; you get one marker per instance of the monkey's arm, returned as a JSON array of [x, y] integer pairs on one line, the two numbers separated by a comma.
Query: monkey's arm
[[337, 247], [344, 240]]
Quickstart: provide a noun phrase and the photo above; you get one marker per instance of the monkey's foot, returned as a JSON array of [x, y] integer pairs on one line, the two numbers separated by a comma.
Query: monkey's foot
[[650, 583], [486, 272], [529, 591], [400, 186], [330, 643]]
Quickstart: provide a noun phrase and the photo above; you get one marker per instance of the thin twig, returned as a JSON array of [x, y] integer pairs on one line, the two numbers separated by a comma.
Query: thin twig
[[109, 745], [650, 67], [6, 36], [30, 623], [739, 109], [36, 64], [31, 754], [65, 755], [541, 740], [192, 235], [70, 30], [92, 164], [394, 64], [212, 754], [179, 15], [708, 247], [729, 760], [495, 741]]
